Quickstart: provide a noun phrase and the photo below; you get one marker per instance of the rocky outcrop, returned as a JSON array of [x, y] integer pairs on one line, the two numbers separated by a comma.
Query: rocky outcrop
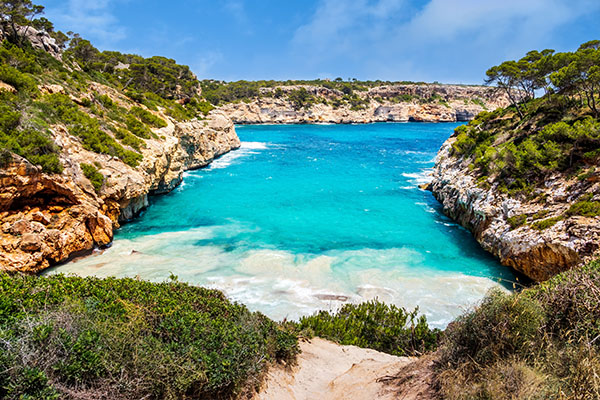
[[45, 219], [395, 103], [41, 40], [537, 252]]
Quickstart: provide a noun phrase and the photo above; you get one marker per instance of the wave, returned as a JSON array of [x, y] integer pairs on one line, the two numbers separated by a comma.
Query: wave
[[246, 148], [283, 284], [419, 178]]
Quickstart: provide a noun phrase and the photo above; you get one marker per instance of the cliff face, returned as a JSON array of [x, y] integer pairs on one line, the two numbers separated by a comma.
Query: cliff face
[[45, 219], [397, 103], [537, 253]]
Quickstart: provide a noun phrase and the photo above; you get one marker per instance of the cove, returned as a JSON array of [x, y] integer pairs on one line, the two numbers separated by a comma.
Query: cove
[[305, 217]]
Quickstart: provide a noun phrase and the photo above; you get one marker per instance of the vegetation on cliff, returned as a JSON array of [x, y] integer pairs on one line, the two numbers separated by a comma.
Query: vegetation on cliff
[[68, 337], [337, 93], [518, 148], [41, 91]]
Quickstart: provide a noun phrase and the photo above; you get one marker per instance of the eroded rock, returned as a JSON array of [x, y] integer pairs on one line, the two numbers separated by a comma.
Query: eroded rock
[[537, 253]]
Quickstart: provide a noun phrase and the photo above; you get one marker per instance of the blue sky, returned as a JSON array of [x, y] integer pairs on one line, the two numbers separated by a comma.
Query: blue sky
[[452, 41]]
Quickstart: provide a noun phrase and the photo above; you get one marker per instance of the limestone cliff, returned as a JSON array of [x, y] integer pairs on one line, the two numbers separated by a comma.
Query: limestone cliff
[[45, 219], [488, 212], [393, 103]]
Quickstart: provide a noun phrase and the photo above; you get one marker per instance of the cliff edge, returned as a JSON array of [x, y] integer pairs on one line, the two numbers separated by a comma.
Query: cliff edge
[[298, 104]]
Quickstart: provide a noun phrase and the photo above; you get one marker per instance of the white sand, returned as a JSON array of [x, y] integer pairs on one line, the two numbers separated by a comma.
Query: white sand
[[329, 371]]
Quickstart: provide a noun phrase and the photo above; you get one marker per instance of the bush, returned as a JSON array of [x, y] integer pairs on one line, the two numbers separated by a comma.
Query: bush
[[517, 220], [375, 325], [147, 117], [543, 338], [585, 208], [20, 81], [123, 338], [58, 108], [546, 223], [137, 128], [129, 139], [95, 177], [34, 144]]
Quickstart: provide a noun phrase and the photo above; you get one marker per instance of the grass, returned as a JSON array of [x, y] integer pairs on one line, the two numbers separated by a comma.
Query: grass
[[69, 337]]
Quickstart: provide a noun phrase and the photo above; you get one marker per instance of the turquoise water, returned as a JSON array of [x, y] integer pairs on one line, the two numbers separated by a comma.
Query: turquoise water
[[303, 217]]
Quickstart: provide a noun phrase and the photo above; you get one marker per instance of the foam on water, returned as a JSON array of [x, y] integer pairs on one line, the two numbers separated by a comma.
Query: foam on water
[[303, 218]]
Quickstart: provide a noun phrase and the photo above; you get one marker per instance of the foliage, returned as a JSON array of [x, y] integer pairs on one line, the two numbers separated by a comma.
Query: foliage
[[520, 154], [124, 338], [58, 108], [564, 73], [540, 342], [547, 223], [517, 220], [147, 117], [585, 208], [21, 13], [95, 177], [375, 325], [300, 98], [32, 142]]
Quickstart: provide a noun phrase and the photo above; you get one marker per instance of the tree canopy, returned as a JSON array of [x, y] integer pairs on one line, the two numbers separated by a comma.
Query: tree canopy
[[569, 73]]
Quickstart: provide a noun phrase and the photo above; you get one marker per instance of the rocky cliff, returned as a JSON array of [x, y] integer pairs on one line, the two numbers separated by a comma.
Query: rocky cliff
[[536, 237], [393, 103], [45, 219]]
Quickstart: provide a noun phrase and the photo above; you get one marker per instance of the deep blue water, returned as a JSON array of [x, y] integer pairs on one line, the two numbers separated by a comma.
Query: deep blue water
[[302, 213]]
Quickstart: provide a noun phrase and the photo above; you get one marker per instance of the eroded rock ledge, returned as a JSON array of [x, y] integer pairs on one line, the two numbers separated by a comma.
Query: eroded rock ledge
[[539, 254], [453, 103], [45, 219]]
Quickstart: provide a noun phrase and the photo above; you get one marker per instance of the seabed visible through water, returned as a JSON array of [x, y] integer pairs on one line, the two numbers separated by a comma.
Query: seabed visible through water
[[305, 217]]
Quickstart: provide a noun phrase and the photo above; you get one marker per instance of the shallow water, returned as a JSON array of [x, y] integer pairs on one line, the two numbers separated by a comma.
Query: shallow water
[[303, 216]]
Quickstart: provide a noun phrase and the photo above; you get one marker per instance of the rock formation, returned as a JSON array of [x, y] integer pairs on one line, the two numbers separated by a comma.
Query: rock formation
[[396, 103], [45, 219], [486, 212]]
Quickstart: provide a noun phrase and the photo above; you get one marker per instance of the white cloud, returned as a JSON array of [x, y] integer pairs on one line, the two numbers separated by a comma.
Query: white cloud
[[92, 19], [236, 9], [336, 24], [205, 63], [444, 20], [398, 35]]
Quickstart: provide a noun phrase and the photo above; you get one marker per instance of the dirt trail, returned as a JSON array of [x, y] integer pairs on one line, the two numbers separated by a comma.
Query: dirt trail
[[329, 371]]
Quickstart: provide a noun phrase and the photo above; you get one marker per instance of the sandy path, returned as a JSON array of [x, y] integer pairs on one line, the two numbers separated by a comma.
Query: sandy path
[[329, 371]]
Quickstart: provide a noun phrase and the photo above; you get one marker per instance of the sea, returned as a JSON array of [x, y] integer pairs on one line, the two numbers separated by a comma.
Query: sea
[[304, 218]]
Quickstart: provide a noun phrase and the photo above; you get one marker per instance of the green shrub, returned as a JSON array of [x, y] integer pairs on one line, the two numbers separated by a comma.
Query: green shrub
[[129, 139], [585, 208], [540, 343], [517, 220], [147, 117], [123, 338], [58, 108], [137, 127], [95, 177], [546, 223], [20, 81], [34, 144], [375, 325]]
